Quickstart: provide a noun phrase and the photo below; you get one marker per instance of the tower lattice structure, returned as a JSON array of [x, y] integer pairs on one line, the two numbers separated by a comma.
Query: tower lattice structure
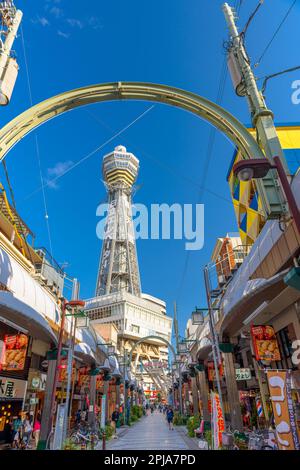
[[118, 268]]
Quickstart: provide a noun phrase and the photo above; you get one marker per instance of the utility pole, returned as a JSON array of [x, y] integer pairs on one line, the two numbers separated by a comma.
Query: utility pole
[[214, 338], [11, 19], [178, 364], [244, 82]]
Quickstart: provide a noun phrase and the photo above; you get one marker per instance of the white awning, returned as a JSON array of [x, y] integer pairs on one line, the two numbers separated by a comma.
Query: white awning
[[25, 288], [26, 317]]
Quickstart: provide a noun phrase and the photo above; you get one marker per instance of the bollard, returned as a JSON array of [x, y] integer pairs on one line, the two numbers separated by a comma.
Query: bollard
[[103, 441]]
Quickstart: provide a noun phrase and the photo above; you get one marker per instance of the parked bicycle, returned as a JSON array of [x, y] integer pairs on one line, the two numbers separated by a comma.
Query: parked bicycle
[[89, 439], [262, 440], [229, 438]]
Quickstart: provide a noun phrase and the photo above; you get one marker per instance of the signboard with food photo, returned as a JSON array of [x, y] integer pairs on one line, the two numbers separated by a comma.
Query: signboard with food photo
[[265, 343], [15, 352]]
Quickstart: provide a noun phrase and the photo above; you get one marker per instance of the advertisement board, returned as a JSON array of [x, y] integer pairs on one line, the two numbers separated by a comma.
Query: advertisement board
[[12, 389], [218, 425], [265, 343], [279, 382], [15, 350], [211, 371]]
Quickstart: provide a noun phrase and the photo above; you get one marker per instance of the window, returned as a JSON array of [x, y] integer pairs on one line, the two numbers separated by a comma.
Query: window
[[135, 328]]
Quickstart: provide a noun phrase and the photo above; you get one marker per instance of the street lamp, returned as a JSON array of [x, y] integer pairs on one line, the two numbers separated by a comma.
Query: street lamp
[[197, 317], [111, 350], [178, 357], [182, 347], [255, 168]]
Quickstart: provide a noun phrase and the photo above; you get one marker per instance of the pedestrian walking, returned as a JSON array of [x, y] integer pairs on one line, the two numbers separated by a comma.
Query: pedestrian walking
[[115, 418], [16, 428], [27, 431], [170, 417], [77, 417], [37, 429]]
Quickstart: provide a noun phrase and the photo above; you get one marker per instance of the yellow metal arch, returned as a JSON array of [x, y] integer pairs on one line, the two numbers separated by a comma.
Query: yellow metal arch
[[16, 129]]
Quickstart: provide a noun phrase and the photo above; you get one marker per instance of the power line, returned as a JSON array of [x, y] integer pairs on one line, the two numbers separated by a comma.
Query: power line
[[37, 146], [251, 17], [162, 164], [275, 33], [90, 154], [210, 148], [268, 77]]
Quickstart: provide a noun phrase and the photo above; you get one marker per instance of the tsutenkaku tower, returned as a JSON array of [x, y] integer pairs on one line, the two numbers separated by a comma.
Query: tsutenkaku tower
[[118, 268]]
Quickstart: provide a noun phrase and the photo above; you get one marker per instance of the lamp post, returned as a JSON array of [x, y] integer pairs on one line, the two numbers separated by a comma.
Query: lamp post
[[214, 337], [75, 308], [256, 168]]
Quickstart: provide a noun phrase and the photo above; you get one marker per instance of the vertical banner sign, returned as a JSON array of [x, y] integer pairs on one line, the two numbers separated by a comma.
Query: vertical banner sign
[[58, 433], [284, 416], [217, 420], [103, 407]]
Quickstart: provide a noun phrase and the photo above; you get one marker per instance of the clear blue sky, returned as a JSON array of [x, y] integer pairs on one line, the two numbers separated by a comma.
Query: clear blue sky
[[177, 42]]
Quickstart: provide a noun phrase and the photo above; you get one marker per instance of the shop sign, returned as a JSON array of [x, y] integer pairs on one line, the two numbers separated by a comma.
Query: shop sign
[[63, 373], [15, 352], [217, 420], [58, 433], [243, 374], [83, 377], [247, 394], [12, 389], [43, 381], [33, 401], [35, 382], [2, 353], [211, 371], [265, 343], [285, 424]]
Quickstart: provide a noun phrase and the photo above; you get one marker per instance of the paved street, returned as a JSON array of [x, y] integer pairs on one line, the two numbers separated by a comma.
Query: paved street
[[150, 433]]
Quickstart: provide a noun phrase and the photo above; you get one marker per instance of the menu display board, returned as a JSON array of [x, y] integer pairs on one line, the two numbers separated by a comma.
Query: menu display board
[[15, 352], [265, 343]]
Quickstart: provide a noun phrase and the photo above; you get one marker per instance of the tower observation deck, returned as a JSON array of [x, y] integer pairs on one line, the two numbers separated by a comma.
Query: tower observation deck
[[118, 268]]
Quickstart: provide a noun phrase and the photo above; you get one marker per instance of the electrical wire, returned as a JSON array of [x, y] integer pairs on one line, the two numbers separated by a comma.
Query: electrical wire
[[90, 154], [251, 17], [268, 77], [37, 146], [162, 164], [275, 33], [210, 148]]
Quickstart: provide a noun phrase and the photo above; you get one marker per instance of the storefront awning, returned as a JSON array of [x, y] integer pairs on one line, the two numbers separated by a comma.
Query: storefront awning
[[25, 317], [84, 351]]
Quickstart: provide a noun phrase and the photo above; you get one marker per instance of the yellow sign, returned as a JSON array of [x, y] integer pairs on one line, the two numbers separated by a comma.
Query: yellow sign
[[284, 417]]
